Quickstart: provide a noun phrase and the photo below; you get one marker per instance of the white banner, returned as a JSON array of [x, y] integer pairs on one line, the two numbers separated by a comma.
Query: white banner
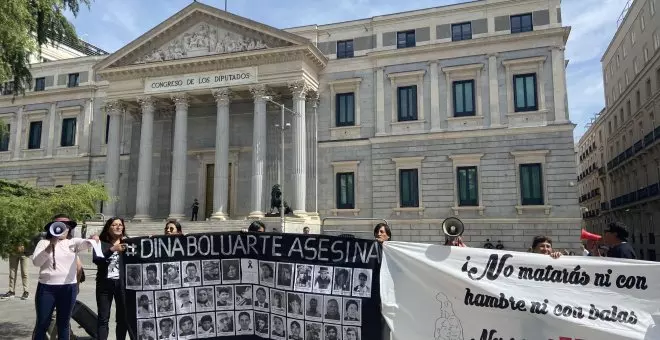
[[242, 76], [451, 293]]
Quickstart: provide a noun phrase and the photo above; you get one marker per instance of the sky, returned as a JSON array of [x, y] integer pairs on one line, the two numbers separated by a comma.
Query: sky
[[111, 24]]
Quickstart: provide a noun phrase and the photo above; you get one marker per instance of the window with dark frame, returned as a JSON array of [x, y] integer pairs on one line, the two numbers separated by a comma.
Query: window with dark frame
[[407, 103], [468, 188], [74, 79], [4, 138], [463, 98], [651, 238], [525, 97], [8, 88], [68, 132], [531, 184], [462, 31], [34, 136], [345, 49], [39, 84], [345, 109], [522, 23], [405, 39], [345, 190], [107, 128], [652, 256], [408, 188]]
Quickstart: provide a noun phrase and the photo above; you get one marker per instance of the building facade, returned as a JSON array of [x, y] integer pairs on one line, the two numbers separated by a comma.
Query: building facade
[[619, 155], [411, 117]]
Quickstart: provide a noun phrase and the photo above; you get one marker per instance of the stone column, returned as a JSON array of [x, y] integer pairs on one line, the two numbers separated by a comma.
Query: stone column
[[88, 112], [221, 174], [144, 162], [179, 157], [494, 94], [380, 102], [115, 110], [18, 135], [435, 97], [559, 82], [299, 90], [259, 141], [51, 130]]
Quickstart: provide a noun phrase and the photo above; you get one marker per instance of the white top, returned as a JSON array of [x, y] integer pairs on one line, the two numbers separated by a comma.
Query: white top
[[65, 271]]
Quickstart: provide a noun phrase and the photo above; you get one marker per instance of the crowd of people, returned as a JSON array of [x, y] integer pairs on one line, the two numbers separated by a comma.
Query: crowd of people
[[61, 271]]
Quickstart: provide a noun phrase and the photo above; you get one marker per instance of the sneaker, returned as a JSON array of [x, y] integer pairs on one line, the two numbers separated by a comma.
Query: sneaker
[[25, 296], [7, 295]]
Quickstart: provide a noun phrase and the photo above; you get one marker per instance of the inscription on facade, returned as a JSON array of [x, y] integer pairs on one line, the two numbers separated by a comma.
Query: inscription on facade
[[201, 80]]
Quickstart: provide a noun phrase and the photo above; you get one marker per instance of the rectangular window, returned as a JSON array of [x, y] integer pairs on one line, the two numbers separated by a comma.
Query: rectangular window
[[646, 55], [344, 49], [4, 138], [462, 31], [464, 98], [531, 184], [345, 190], [651, 238], [68, 132], [405, 39], [8, 88], [73, 79], [345, 109], [107, 128], [39, 84], [524, 92], [408, 189], [648, 88], [521, 23], [652, 256], [34, 137], [468, 194], [407, 103]]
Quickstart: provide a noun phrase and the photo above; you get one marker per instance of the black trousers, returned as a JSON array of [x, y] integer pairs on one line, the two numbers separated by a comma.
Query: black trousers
[[194, 215], [106, 291]]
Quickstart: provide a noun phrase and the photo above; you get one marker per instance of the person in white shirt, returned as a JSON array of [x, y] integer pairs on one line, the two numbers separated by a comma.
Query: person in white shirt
[[58, 282]]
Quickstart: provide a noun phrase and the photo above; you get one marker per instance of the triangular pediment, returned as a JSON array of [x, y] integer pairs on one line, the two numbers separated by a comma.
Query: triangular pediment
[[196, 31]]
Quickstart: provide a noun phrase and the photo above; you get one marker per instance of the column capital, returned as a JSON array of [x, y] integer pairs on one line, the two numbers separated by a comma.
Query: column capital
[[495, 54], [299, 88], [114, 107], [222, 95], [258, 91], [432, 63], [181, 100], [146, 102], [313, 97]]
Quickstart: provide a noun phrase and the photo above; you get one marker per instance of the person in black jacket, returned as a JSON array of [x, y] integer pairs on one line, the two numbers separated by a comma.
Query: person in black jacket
[[108, 284]]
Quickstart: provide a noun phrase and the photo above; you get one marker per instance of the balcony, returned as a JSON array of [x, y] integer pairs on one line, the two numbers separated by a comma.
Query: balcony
[[648, 139], [604, 206], [650, 191], [602, 171], [639, 146], [629, 152]]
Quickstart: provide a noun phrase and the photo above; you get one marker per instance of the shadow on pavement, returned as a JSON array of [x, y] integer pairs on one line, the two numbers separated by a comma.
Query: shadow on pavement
[[14, 331]]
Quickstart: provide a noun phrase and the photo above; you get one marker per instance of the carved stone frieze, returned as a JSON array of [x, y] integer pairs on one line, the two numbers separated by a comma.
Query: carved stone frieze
[[114, 107]]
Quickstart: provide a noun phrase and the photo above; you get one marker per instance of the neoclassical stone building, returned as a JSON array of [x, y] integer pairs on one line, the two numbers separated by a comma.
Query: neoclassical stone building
[[412, 117]]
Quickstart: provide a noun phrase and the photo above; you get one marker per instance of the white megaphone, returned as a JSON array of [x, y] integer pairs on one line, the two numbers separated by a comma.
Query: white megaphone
[[57, 229]]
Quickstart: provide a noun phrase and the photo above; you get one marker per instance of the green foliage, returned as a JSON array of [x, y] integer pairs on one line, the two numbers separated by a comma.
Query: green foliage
[[24, 210], [26, 25]]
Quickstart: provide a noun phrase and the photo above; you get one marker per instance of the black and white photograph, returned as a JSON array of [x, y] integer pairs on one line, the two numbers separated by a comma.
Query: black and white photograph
[[164, 302], [231, 271], [277, 302], [295, 305], [342, 281], [313, 306], [151, 276], [277, 327], [352, 311], [322, 279], [211, 272], [166, 328], [146, 329], [191, 273], [249, 271], [352, 333], [332, 332], [243, 297], [267, 273], [245, 323], [295, 329], [261, 298], [184, 300], [362, 282], [133, 276], [332, 309], [313, 330], [284, 276], [205, 325], [224, 297], [262, 324], [186, 329], [204, 299], [171, 275], [225, 321], [145, 304], [303, 278]]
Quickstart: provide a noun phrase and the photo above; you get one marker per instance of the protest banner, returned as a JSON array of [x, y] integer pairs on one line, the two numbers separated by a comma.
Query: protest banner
[[236, 285], [453, 293]]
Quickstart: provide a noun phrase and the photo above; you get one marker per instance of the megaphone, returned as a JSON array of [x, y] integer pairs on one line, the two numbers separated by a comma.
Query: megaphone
[[453, 227], [585, 235], [57, 229]]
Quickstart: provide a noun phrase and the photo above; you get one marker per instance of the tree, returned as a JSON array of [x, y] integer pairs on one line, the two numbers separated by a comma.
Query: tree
[[25, 210], [25, 26]]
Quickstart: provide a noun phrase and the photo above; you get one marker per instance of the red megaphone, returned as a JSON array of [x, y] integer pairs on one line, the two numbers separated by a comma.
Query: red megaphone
[[589, 236]]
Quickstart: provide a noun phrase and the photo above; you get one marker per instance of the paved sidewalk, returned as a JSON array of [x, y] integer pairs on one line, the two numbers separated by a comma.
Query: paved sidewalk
[[17, 316]]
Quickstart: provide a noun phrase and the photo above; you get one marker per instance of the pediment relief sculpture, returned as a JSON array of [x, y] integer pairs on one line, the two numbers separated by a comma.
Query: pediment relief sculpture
[[202, 40]]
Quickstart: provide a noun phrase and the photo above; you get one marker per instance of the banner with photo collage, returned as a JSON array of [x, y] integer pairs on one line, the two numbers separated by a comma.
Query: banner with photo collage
[[235, 285]]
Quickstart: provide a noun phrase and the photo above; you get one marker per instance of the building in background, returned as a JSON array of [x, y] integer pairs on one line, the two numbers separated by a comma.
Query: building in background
[[619, 155], [458, 110]]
